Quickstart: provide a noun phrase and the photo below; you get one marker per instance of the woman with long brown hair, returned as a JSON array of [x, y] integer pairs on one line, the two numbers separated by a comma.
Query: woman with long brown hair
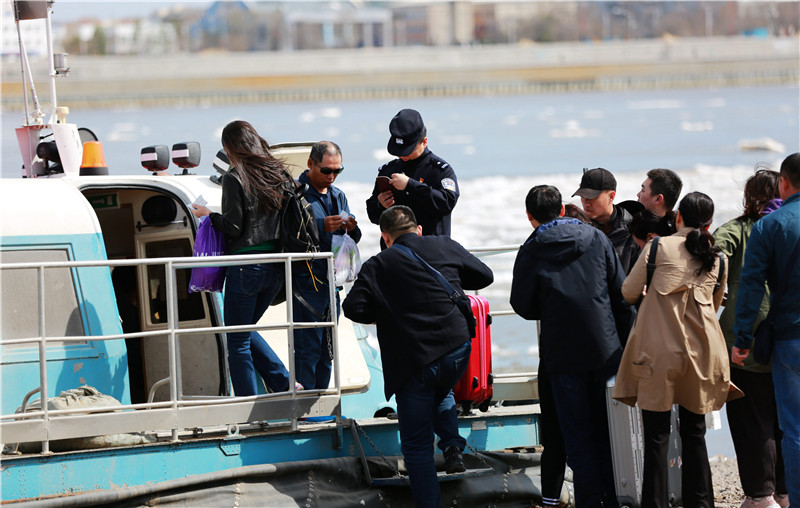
[[251, 201], [753, 420]]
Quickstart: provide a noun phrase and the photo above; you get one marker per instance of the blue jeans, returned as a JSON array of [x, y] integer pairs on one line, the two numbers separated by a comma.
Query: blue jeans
[[313, 348], [786, 376], [580, 401], [425, 405], [249, 290]]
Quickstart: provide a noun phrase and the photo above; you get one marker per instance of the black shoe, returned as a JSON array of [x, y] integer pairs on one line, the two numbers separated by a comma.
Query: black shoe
[[453, 461]]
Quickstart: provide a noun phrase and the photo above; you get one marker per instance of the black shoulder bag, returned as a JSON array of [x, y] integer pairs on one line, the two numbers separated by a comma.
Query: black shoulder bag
[[461, 301], [651, 261], [764, 336], [651, 265]]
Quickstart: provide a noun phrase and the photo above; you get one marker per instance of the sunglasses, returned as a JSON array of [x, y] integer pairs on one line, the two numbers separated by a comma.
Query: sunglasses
[[328, 171]]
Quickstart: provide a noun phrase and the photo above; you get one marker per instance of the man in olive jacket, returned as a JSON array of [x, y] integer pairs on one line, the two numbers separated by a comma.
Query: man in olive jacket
[[424, 339]]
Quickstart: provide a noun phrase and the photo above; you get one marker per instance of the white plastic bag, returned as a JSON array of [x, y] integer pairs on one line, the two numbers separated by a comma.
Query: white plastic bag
[[713, 420], [346, 259]]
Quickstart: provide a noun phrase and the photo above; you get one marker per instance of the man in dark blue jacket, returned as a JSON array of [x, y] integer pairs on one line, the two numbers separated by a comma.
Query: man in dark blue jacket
[[568, 276], [313, 348], [419, 179], [424, 339]]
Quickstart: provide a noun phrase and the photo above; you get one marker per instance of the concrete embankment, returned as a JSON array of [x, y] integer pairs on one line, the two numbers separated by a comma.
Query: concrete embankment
[[219, 78]]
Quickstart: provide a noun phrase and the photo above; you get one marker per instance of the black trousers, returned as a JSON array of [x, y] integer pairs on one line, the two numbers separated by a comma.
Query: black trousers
[[753, 421], [580, 400], [554, 457], [697, 489]]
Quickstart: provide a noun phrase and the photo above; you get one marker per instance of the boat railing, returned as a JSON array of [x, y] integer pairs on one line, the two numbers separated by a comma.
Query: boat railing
[[179, 412]]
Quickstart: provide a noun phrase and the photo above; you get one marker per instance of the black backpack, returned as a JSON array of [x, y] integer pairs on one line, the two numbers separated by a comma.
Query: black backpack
[[298, 229], [298, 233]]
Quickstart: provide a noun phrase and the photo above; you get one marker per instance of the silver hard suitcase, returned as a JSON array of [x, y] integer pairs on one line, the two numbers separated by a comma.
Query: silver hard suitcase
[[627, 451]]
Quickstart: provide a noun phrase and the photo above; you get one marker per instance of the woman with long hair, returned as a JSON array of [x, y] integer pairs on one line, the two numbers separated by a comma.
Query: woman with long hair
[[252, 196], [676, 352], [753, 420]]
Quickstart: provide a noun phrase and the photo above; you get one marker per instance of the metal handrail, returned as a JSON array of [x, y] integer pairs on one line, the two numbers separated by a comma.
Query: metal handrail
[[175, 403]]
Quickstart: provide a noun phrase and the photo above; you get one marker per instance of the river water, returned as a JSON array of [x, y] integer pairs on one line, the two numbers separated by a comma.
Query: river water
[[500, 146]]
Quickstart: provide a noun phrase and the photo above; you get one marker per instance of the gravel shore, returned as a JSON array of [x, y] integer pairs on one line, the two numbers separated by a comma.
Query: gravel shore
[[725, 475]]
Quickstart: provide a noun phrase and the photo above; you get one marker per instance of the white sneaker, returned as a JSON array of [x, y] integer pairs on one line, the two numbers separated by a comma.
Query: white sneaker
[[759, 502], [782, 500]]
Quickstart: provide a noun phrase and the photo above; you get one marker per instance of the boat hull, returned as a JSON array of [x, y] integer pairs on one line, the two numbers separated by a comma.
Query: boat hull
[[103, 472]]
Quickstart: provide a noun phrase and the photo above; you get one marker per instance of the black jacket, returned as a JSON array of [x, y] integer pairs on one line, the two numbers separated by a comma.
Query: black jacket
[[241, 221], [567, 276], [432, 192], [416, 320], [617, 230]]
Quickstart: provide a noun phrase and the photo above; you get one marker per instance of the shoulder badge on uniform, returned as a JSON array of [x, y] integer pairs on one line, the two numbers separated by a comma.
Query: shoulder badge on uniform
[[449, 184]]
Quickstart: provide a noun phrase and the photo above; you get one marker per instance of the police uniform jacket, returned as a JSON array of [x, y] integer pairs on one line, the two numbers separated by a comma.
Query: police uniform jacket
[[416, 320], [432, 192], [567, 276]]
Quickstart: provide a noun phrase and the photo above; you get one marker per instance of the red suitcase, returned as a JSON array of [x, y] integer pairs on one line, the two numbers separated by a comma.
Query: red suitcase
[[475, 387]]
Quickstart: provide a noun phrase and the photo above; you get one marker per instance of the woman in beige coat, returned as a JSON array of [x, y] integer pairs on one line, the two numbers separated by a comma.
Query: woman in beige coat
[[676, 353]]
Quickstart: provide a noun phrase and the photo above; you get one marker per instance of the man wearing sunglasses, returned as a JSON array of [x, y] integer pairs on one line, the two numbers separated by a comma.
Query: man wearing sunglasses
[[419, 179], [313, 351]]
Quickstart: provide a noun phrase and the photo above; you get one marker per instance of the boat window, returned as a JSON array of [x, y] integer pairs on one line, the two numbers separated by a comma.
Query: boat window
[[20, 306], [190, 305]]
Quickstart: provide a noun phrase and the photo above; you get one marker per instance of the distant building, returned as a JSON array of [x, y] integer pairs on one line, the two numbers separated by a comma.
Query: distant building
[[226, 25], [341, 25], [464, 22], [270, 25], [34, 33], [142, 37]]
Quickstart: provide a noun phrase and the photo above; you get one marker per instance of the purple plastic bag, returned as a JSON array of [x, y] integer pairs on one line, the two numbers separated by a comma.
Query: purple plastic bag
[[209, 242]]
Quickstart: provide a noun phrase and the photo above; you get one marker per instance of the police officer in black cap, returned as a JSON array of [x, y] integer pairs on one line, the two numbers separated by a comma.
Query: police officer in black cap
[[417, 179]]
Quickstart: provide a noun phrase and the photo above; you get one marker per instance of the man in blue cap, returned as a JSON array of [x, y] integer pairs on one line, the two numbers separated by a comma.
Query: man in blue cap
[[417, 179]]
